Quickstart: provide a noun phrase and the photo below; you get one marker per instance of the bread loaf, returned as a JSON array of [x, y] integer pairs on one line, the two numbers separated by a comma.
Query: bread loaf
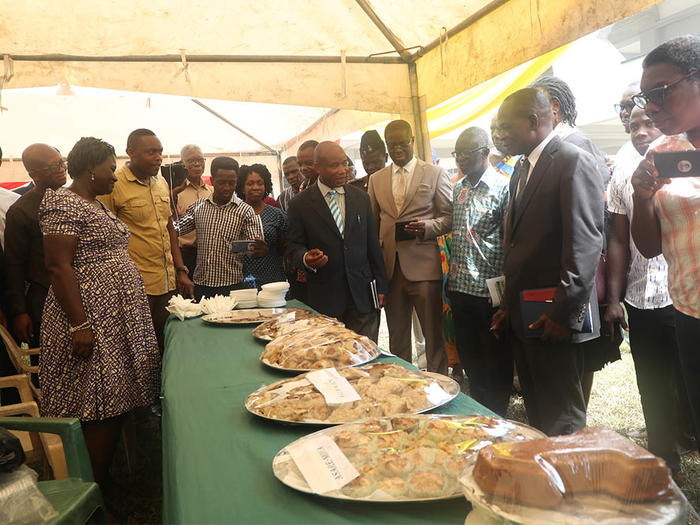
[[543, 472]]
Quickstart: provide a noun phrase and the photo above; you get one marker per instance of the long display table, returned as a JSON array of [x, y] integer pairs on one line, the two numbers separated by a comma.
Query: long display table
[[217, 458]]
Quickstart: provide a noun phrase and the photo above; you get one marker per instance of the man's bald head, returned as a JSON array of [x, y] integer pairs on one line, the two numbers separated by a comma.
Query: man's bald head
[[37, 156], [524, 120], [626, 105], [326, 148], [529, 101], [330, 162], [45, 166]]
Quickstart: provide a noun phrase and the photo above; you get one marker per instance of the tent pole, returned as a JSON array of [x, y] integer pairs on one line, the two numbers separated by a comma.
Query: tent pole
[[394, 40], [263, 59], [420, 120], [280, 172], [251, 137]]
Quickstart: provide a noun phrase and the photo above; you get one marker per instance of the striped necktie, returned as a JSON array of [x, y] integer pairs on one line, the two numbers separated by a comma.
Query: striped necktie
[[335, 211]]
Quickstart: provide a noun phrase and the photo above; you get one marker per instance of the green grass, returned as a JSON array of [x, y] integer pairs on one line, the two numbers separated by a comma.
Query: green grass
[[615, 404]]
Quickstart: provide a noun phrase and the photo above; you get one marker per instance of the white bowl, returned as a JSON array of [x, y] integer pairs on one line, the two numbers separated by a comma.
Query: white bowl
[[280, 286]]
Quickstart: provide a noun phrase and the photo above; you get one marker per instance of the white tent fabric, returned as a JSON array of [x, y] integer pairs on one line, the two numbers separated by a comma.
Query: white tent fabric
[[341, 54]]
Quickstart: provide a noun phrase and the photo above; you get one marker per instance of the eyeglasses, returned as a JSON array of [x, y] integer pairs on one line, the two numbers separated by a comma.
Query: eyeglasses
[[197, 160], [657, 95], [399, 145], [462, 154], [53, 167], [628, 106]]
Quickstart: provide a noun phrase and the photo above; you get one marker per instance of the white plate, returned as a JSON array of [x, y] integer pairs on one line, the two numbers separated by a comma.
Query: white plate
[[248, 316], [286, 471], [449, 385]]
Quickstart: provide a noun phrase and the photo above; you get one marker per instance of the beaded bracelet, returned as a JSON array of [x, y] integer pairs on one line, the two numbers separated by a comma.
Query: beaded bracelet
[[81, 326]]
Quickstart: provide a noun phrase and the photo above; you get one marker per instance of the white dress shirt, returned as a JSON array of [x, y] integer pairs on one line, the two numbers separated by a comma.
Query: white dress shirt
[[339, 197], [7, 199]]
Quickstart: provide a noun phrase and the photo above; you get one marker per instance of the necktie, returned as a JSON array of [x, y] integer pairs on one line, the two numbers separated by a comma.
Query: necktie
[[401, 189], [523, 171], [335, 211]]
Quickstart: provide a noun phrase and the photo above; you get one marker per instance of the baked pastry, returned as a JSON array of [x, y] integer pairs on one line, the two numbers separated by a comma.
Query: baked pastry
[[397, 460], [300, 321], [296, 399], [544, 472], [321, 347]]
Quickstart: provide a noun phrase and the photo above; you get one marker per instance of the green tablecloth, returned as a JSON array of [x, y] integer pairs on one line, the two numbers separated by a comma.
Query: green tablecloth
[[217, 458]]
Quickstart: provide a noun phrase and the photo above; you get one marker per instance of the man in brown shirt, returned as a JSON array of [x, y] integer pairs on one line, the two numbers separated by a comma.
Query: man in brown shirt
[[141, 198], [190, 191], [27, 280]]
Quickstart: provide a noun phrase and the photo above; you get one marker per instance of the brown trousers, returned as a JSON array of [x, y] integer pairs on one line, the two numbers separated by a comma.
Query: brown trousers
[[159, 315], [426, 298]]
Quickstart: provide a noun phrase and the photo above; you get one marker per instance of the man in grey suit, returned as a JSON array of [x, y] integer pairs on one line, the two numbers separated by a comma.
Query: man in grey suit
[[553, 239], [412, 204]]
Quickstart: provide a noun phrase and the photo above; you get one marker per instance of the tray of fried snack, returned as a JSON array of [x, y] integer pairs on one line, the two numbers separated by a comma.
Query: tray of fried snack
[[409, 457], [386, 389], [293, 322], [322, 347], [246, 316], [592, 476]]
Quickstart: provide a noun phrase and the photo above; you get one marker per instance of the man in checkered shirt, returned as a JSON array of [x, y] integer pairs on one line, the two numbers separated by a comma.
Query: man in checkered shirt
[[479, 205], [219, 220]]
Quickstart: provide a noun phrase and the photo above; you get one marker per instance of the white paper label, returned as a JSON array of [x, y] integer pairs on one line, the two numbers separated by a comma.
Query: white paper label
[[323, 465], [436, 394], [282, 392], [285, 318], [497, 288], [335, 389]]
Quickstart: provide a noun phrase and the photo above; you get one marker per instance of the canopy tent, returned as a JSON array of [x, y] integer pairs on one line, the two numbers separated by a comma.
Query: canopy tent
[[393, 57]]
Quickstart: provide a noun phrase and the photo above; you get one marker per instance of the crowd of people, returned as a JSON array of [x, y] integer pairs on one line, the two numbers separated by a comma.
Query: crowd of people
[[536, 208]]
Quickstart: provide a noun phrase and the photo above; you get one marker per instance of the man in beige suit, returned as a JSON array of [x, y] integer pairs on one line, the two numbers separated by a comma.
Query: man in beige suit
[[419, 194]]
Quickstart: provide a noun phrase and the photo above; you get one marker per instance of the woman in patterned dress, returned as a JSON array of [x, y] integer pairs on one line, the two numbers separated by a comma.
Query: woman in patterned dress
[[99, 355], [253, 186]]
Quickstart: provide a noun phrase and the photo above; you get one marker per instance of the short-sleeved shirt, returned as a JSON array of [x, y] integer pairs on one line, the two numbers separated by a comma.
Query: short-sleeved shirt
[[285, 197], [145, 208], [270, 268], [217, 227], [477, 233], [677, 206], [185, 199], [647, 279]]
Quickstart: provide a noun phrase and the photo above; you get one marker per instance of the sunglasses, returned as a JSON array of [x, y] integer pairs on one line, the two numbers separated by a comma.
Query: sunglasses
[[628, 106], [54, 167], [657, 95]]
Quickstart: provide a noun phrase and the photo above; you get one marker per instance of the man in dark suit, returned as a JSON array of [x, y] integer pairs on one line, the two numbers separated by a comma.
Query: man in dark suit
[[331, 232], [553, 239]]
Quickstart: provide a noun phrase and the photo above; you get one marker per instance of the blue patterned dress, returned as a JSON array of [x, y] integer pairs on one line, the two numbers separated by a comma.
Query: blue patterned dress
[[268, 269]]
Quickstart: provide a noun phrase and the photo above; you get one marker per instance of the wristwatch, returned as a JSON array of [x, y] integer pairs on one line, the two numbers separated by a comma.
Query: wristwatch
[[183, 268]]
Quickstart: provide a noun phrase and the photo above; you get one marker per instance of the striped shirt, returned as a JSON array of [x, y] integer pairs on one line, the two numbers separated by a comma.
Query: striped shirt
[[217, 227], [677, 206]]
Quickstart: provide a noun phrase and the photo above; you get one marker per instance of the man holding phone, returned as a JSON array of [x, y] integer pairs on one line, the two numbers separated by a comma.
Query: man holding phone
[[223, 223], [412, 204]]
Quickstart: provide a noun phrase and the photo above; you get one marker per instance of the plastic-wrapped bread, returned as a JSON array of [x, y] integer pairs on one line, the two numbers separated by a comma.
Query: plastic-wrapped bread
[[286, 325], [545, 472], [323, 347]]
